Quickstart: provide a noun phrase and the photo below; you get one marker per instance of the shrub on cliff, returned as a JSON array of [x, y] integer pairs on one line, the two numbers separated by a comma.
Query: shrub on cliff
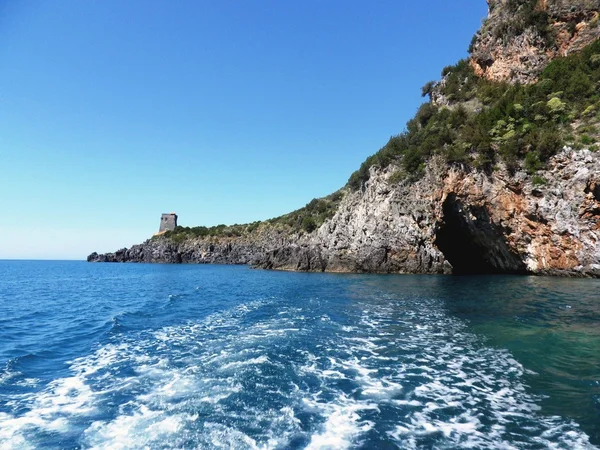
[[309, 224], [427, 89], [523, 15], [311, 216], [522, 125], [181, 233]]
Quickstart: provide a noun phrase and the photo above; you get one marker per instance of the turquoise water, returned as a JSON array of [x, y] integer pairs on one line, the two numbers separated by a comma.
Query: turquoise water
[[160, 356]]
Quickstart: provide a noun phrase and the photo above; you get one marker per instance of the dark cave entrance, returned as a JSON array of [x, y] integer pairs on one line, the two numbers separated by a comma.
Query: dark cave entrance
[[594, 189], [472, 243]]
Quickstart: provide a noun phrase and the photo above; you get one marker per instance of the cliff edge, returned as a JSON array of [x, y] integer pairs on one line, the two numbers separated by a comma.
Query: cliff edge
[[450, 221], [498, 173]]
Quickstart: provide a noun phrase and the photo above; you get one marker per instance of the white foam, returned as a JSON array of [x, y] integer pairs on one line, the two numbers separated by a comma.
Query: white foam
[[439, 379], [143, 428], [7, 375], [248, 362], [63, 399], [63, 403], [223, 437], [342, 425]]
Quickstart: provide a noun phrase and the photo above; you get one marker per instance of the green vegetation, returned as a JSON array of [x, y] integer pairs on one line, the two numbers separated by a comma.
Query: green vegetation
[[397, 177], [486, 121], [313, 215], [587, 140], [524, 14], [428, 88], [181, 233], [305, 219]]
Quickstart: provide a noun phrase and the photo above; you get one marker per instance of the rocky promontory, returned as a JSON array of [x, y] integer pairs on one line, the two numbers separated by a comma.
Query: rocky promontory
[[498, 173], [450, 221]]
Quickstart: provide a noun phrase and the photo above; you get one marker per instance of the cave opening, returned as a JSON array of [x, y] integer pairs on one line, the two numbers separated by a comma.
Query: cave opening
[[594, 189], [472, 243]]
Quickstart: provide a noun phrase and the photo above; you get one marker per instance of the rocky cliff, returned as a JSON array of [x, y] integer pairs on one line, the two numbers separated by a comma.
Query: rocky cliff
[[464, 222], [450, 221], [474, 186], [520, 37], [247, 249]]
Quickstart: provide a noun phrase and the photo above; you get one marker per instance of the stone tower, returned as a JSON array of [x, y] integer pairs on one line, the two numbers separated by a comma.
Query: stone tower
[[168, 222]]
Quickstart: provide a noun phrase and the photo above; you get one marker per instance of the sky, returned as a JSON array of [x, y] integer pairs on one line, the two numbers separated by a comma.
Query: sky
[[115, 111]]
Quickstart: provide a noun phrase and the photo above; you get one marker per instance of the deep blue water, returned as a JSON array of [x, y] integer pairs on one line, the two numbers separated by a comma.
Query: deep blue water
[[114, 356]]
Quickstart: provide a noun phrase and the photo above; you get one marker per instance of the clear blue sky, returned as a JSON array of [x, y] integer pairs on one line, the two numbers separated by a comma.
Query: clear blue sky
[[114, 111]]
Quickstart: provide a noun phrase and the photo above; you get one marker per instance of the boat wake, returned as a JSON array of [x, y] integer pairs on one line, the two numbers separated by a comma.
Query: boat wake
[[269, 374]]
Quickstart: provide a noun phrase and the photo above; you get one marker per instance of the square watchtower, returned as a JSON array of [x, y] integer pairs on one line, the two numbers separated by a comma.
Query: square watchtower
[[168, 222]]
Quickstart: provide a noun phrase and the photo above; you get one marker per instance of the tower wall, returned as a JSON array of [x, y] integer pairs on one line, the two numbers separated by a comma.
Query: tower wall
[[168, 222]]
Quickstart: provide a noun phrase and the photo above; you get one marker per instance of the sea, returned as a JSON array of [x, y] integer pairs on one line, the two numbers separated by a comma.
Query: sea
[[153, 356]]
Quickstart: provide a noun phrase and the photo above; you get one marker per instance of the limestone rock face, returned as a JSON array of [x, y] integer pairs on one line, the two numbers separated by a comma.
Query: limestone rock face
[[520, 37], [450, 221], [463, 222]]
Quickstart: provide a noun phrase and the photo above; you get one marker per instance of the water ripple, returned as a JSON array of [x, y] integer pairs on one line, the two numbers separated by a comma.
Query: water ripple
[[320, 362]]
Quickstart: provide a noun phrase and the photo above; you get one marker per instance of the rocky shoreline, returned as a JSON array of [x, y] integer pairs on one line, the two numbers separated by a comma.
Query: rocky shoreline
[[450, 221]]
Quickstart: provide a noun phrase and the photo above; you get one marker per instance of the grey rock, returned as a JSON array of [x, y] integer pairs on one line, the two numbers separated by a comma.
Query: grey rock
[[450, 221], [502, 51]]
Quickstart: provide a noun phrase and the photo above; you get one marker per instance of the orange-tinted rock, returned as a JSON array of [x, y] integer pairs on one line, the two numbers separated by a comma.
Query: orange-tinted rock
[[509, 49]]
